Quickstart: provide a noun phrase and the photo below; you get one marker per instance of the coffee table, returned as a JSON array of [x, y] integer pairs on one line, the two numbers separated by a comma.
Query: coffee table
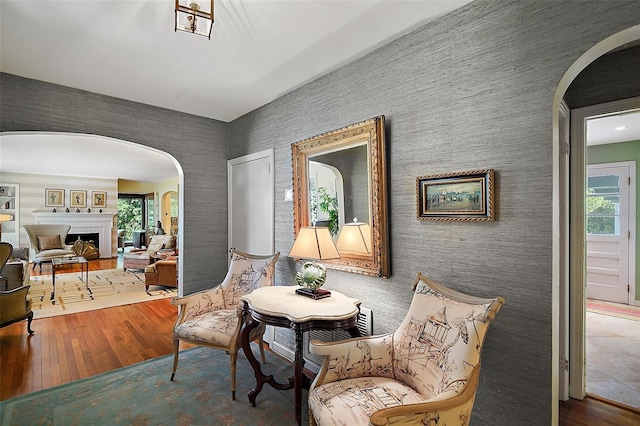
[[75, 260]]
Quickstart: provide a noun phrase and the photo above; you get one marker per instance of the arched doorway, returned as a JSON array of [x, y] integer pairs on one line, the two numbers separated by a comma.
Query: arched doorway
[[77, 155], [569, 170]]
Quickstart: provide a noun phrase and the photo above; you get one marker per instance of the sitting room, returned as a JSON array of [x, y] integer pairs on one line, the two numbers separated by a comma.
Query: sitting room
[[436, 133]]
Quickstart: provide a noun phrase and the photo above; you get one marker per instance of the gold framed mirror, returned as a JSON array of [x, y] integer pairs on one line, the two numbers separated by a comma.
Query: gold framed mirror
[[340, 181]]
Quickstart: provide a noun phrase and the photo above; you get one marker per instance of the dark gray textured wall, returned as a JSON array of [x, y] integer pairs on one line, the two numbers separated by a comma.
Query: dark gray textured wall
[[611, 77], [199, 144], [471, 90]]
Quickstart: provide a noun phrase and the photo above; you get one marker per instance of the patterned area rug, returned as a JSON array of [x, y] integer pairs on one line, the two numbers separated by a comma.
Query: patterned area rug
[[107, 288], [142, 394], [613, 309]]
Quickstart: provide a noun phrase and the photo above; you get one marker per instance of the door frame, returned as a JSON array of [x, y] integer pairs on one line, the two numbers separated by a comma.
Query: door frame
[[577, 243]]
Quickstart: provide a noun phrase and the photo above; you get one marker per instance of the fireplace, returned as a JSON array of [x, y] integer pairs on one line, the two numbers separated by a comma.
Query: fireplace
[[95, 226], [92, 237]]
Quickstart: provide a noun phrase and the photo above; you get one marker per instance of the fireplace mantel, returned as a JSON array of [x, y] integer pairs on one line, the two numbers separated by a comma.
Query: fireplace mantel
[[82, 223]]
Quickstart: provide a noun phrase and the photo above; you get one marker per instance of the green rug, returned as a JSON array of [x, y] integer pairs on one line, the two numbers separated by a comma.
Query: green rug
[[142, 394]]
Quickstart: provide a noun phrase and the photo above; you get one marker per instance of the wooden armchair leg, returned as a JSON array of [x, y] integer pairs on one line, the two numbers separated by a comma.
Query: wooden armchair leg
[[234, 357], [29, 319], [176, 349]]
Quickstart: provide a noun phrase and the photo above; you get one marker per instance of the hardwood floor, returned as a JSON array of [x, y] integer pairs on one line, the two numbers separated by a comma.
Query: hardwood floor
[[70, 347]]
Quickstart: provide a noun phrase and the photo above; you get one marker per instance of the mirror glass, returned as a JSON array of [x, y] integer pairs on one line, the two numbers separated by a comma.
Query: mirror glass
[[339, 182]]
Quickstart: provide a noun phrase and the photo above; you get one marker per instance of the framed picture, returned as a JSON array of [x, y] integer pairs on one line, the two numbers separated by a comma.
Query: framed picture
[[78, 198], [465, 196], [54, 197], [99, 199]]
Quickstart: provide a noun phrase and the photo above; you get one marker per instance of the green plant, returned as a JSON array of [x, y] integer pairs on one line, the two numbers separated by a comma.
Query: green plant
[[129, 216], [329, 205], [600, 215]]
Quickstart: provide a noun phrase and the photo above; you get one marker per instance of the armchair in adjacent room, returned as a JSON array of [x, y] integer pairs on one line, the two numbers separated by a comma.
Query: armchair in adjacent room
[[121, 241], [48, 242], [16, 270], [426, 372], [163, 272], [15, 305], [141, 258], [214, 317]]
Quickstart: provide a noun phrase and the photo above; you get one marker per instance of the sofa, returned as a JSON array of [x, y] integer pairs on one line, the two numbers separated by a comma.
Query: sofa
[[163, 273], [48, 242], [141, 258], [16, 270]]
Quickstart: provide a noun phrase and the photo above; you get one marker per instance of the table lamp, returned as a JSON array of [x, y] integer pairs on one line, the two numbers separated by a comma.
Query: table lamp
[[314, 243], [355, 238], [4, 218]]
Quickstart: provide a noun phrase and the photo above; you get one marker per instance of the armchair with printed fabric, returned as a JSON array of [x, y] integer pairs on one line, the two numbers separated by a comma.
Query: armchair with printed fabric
[[214, 317], [424, 373]]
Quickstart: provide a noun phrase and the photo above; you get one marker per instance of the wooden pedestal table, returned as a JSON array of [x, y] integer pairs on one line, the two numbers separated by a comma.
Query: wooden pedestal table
[[280, 306]]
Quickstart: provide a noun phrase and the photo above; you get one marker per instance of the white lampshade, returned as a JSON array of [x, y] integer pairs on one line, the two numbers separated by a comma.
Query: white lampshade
[[314, 243], [355, 238]]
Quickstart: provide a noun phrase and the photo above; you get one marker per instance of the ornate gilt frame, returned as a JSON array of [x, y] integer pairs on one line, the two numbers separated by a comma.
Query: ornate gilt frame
[[372, 130]]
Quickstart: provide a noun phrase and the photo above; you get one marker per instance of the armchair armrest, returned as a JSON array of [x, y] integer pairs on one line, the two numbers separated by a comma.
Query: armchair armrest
[[446, 407], [14, 304], [199, 303], [353, 358], [139, 250]]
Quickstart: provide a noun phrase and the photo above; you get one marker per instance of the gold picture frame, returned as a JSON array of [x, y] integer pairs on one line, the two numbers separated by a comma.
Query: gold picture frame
[[99, 199], [54, 197], [460, 196], [77, 198]]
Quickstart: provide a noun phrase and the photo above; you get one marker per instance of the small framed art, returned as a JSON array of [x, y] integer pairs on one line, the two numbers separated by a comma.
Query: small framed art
[[464, 196], [99, 199], [78, 198], [54, 197]]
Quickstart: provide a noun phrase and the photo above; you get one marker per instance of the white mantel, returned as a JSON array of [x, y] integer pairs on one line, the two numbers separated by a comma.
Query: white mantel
[[83, 223]]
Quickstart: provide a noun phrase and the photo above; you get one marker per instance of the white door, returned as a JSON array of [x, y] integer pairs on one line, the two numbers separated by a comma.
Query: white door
[[251, 203], [608, 237]]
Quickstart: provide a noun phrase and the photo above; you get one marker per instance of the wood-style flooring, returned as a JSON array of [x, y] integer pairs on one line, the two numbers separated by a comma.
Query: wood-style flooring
[[71, 347]]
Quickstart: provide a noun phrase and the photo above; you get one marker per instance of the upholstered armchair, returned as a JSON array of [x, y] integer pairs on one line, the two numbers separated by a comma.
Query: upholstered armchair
[[16, 270], [213, 317], [163, 272], [120, 236], [15, 305], [141, 258], [48, 242], [424, 373]]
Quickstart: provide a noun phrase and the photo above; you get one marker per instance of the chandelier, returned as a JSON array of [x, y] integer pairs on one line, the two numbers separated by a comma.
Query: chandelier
[[195, 17]]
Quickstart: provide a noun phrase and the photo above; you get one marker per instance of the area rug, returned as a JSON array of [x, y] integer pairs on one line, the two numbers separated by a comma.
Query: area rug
[[113, 287], [614, 309], [142, 394]]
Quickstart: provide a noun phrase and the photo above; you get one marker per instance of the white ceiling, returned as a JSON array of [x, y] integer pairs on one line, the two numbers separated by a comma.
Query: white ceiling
[[259, 50], [621, 127]]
